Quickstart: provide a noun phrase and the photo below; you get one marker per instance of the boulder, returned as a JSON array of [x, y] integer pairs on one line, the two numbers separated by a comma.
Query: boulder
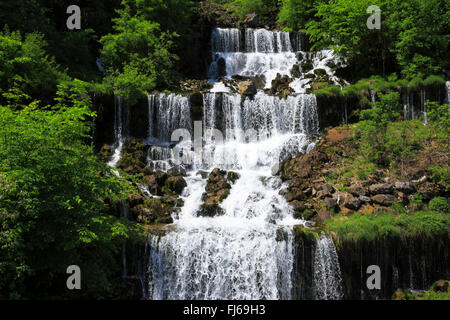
[[429, 190], [405, 187], [357, 191], [441, 286], [386, 200], [295, 194], [233, 176], [152, 184], [175, 185], [204, 174], [330, 203], [401, 294], [352, 203], [246, 88], [381, 188], [323, 215], [135, 199]]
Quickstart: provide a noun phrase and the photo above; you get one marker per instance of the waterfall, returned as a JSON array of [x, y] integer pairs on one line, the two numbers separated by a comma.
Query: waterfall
[[240, 254], [327, 273], [121, 125], [373, 98], [264, 53], [168, 112], [448, 92], [246, 251]]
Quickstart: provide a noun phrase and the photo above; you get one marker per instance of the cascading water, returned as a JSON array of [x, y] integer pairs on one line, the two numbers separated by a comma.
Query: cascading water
[[121, 125], [447, 84], [166, 113], [327, 274], [239, 255], [247, 251], [264, 53]]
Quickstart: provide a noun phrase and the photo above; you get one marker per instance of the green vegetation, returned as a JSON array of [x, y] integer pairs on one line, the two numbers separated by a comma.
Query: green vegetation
[[53, 194], [421, 224], [25, 65]]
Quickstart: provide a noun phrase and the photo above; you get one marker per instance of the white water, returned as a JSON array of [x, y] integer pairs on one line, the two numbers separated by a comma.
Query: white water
[[447, 84], [247, 252], [121, 125], [327, 274], [260, 52], [237, 255]]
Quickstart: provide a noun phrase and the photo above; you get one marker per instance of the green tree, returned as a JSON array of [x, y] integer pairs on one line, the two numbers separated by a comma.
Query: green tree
[[138, 56], [25, 65], [422, 36], [53, 196], [294, 14], [342, 26]]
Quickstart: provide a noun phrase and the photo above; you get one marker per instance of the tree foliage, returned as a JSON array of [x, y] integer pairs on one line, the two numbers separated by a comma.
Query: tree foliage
[[52, 200]]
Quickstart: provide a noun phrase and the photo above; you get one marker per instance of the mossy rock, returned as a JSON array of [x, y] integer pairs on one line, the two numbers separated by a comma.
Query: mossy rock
[[295, 71], [401, 294], [174, 185], [320, 72], [307, 65], [233, 176]]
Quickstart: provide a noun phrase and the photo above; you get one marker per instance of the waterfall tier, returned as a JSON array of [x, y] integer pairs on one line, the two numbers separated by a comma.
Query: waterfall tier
[[264, 53]]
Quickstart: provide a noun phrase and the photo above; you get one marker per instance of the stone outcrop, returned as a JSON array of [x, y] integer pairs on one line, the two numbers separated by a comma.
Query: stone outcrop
[[217, 189], [246, 88]]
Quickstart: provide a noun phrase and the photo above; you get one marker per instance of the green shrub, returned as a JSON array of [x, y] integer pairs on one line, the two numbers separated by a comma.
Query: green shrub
[[440, 204]]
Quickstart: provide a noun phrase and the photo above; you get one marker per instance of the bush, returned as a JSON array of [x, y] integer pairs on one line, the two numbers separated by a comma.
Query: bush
[[53, 195], [440, 204]]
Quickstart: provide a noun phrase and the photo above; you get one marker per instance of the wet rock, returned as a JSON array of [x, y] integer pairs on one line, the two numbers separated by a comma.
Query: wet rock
[[217, 189], [307, 65], [152, 184], [281, 85], [204, 174], [295, 194], [320, 72], [295, 71], [246, 88], [381, 188], [405, 187], [177, 171], [276, 169], [175, 185], [298, 206], [386, 200], [233, 176]]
